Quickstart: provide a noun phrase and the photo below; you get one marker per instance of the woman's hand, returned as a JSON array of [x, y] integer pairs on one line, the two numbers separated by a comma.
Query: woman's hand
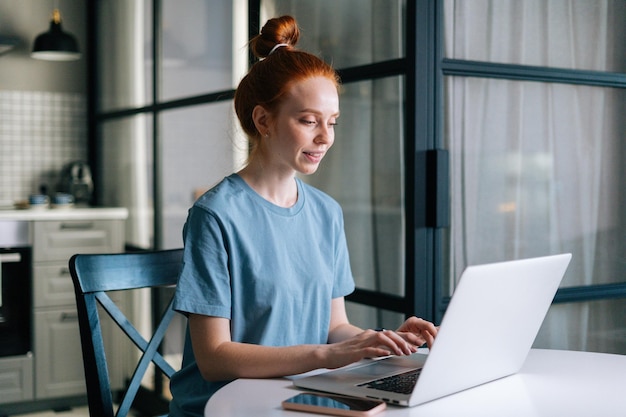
[[348, 343], [369, 344], [418, 331]]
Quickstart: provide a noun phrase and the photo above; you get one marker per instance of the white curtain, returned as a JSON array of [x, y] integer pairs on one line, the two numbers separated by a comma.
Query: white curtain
[[537, 168]]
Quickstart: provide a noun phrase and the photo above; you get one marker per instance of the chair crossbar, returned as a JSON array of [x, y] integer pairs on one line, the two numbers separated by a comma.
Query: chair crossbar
[[127, 327], [148, 356]]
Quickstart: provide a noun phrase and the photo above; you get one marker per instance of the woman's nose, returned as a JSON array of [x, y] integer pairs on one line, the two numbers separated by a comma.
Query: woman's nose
[[325, 135]]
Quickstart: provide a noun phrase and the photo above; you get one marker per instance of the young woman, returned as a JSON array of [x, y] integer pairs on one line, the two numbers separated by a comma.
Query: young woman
[[266, 264]]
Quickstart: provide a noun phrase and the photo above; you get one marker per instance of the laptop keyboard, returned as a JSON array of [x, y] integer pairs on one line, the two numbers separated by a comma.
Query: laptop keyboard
[[400, 383]]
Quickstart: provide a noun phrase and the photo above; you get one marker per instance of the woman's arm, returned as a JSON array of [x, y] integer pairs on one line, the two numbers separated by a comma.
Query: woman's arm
[[219, 358], [340, 328]]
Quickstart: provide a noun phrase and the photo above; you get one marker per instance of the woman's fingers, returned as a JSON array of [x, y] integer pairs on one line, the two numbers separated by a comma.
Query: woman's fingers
[[419, 331], [395, 342]]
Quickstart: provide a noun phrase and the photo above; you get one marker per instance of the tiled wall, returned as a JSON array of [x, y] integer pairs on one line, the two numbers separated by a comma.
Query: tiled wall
[[39, 133]]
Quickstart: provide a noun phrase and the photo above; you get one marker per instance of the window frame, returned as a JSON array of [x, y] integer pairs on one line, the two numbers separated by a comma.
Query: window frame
[[426, 202]]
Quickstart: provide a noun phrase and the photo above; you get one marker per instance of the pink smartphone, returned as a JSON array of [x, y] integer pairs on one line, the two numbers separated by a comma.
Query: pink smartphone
[[336, 405]]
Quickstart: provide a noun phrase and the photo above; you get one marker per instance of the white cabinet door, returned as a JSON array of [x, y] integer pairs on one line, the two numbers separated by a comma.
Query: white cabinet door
[[53, 285], [16, 379], [58, 356]]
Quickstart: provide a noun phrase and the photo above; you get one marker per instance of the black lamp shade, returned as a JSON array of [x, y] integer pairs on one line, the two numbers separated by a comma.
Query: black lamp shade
[[55, 45]]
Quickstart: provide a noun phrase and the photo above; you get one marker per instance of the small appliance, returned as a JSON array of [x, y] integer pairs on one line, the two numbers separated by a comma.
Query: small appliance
[[76, 180]]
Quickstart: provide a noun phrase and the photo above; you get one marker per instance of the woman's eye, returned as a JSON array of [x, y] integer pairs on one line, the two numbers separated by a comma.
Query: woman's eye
[[315, 122]]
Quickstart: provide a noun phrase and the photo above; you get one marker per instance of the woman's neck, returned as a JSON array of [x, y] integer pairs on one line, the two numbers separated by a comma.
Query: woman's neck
[[277, 187]]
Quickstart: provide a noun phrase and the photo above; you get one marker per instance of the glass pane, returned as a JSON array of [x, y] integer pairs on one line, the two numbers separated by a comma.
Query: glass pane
[[125, 156], [597, 326], [124, 53], [198, 151], [367, 317], [364, 172], [537, 169], [197, 44], [347, 32], [575, 34]]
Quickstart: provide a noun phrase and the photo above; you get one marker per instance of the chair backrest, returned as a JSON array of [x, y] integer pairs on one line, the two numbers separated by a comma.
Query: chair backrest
[[93, 276]]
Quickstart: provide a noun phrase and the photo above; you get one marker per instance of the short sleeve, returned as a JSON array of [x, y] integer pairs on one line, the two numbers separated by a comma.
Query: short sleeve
[[204, 283]]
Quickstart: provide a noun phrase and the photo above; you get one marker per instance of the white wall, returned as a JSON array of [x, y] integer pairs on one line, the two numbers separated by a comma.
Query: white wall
[[42, 104], [25, 19]]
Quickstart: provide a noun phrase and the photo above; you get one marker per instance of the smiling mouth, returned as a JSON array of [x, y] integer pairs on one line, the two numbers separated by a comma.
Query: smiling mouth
[[314, 156]]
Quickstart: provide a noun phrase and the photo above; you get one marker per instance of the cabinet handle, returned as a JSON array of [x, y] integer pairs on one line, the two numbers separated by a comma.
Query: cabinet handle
[[77, 226], [64, 271], [10, 257], [69, 316]]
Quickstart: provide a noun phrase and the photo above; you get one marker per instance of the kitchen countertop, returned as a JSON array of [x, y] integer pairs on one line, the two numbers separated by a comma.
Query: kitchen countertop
[[64, 213]]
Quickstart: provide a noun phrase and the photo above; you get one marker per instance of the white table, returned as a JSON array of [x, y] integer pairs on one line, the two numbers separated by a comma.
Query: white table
[[552, 383]]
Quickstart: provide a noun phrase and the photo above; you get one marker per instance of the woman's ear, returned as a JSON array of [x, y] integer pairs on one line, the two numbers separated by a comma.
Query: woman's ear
[[261, 119]]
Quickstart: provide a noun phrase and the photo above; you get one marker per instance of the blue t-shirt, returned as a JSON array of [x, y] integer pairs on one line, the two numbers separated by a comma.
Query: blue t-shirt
[[271, 271]]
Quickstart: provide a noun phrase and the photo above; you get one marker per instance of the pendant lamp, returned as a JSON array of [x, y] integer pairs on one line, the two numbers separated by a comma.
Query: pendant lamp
[[55, 45]]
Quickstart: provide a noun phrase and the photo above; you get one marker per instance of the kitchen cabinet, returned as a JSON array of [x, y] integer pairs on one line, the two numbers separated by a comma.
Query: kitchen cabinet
[[16, 379], [57, 349], [54, 369], [57, 352]]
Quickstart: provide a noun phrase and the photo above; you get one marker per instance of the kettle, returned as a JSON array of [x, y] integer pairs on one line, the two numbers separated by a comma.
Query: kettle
[[76, 180]]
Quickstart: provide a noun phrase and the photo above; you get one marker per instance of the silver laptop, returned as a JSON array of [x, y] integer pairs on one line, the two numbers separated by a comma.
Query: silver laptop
[[486, 333]]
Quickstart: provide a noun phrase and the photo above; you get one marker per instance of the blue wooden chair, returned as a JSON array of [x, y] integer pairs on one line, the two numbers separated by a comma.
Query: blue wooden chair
[[93, 276]]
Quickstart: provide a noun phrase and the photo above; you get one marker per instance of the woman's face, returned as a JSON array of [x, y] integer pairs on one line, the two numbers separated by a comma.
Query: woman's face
[[303, 128]]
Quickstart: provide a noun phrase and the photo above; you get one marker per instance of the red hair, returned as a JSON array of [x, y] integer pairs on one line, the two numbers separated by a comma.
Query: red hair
[[269, 79]]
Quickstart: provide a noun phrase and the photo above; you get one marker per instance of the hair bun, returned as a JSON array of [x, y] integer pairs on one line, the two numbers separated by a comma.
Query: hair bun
[[279, 30]]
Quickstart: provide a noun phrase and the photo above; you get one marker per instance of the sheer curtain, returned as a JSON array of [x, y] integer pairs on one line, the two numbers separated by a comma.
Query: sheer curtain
[[537, 168]]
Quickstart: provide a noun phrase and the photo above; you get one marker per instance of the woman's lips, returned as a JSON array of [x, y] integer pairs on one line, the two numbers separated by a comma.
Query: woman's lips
[[314, 156]]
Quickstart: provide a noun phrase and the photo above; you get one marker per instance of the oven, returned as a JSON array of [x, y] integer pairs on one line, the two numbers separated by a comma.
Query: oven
[[15, 288]]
